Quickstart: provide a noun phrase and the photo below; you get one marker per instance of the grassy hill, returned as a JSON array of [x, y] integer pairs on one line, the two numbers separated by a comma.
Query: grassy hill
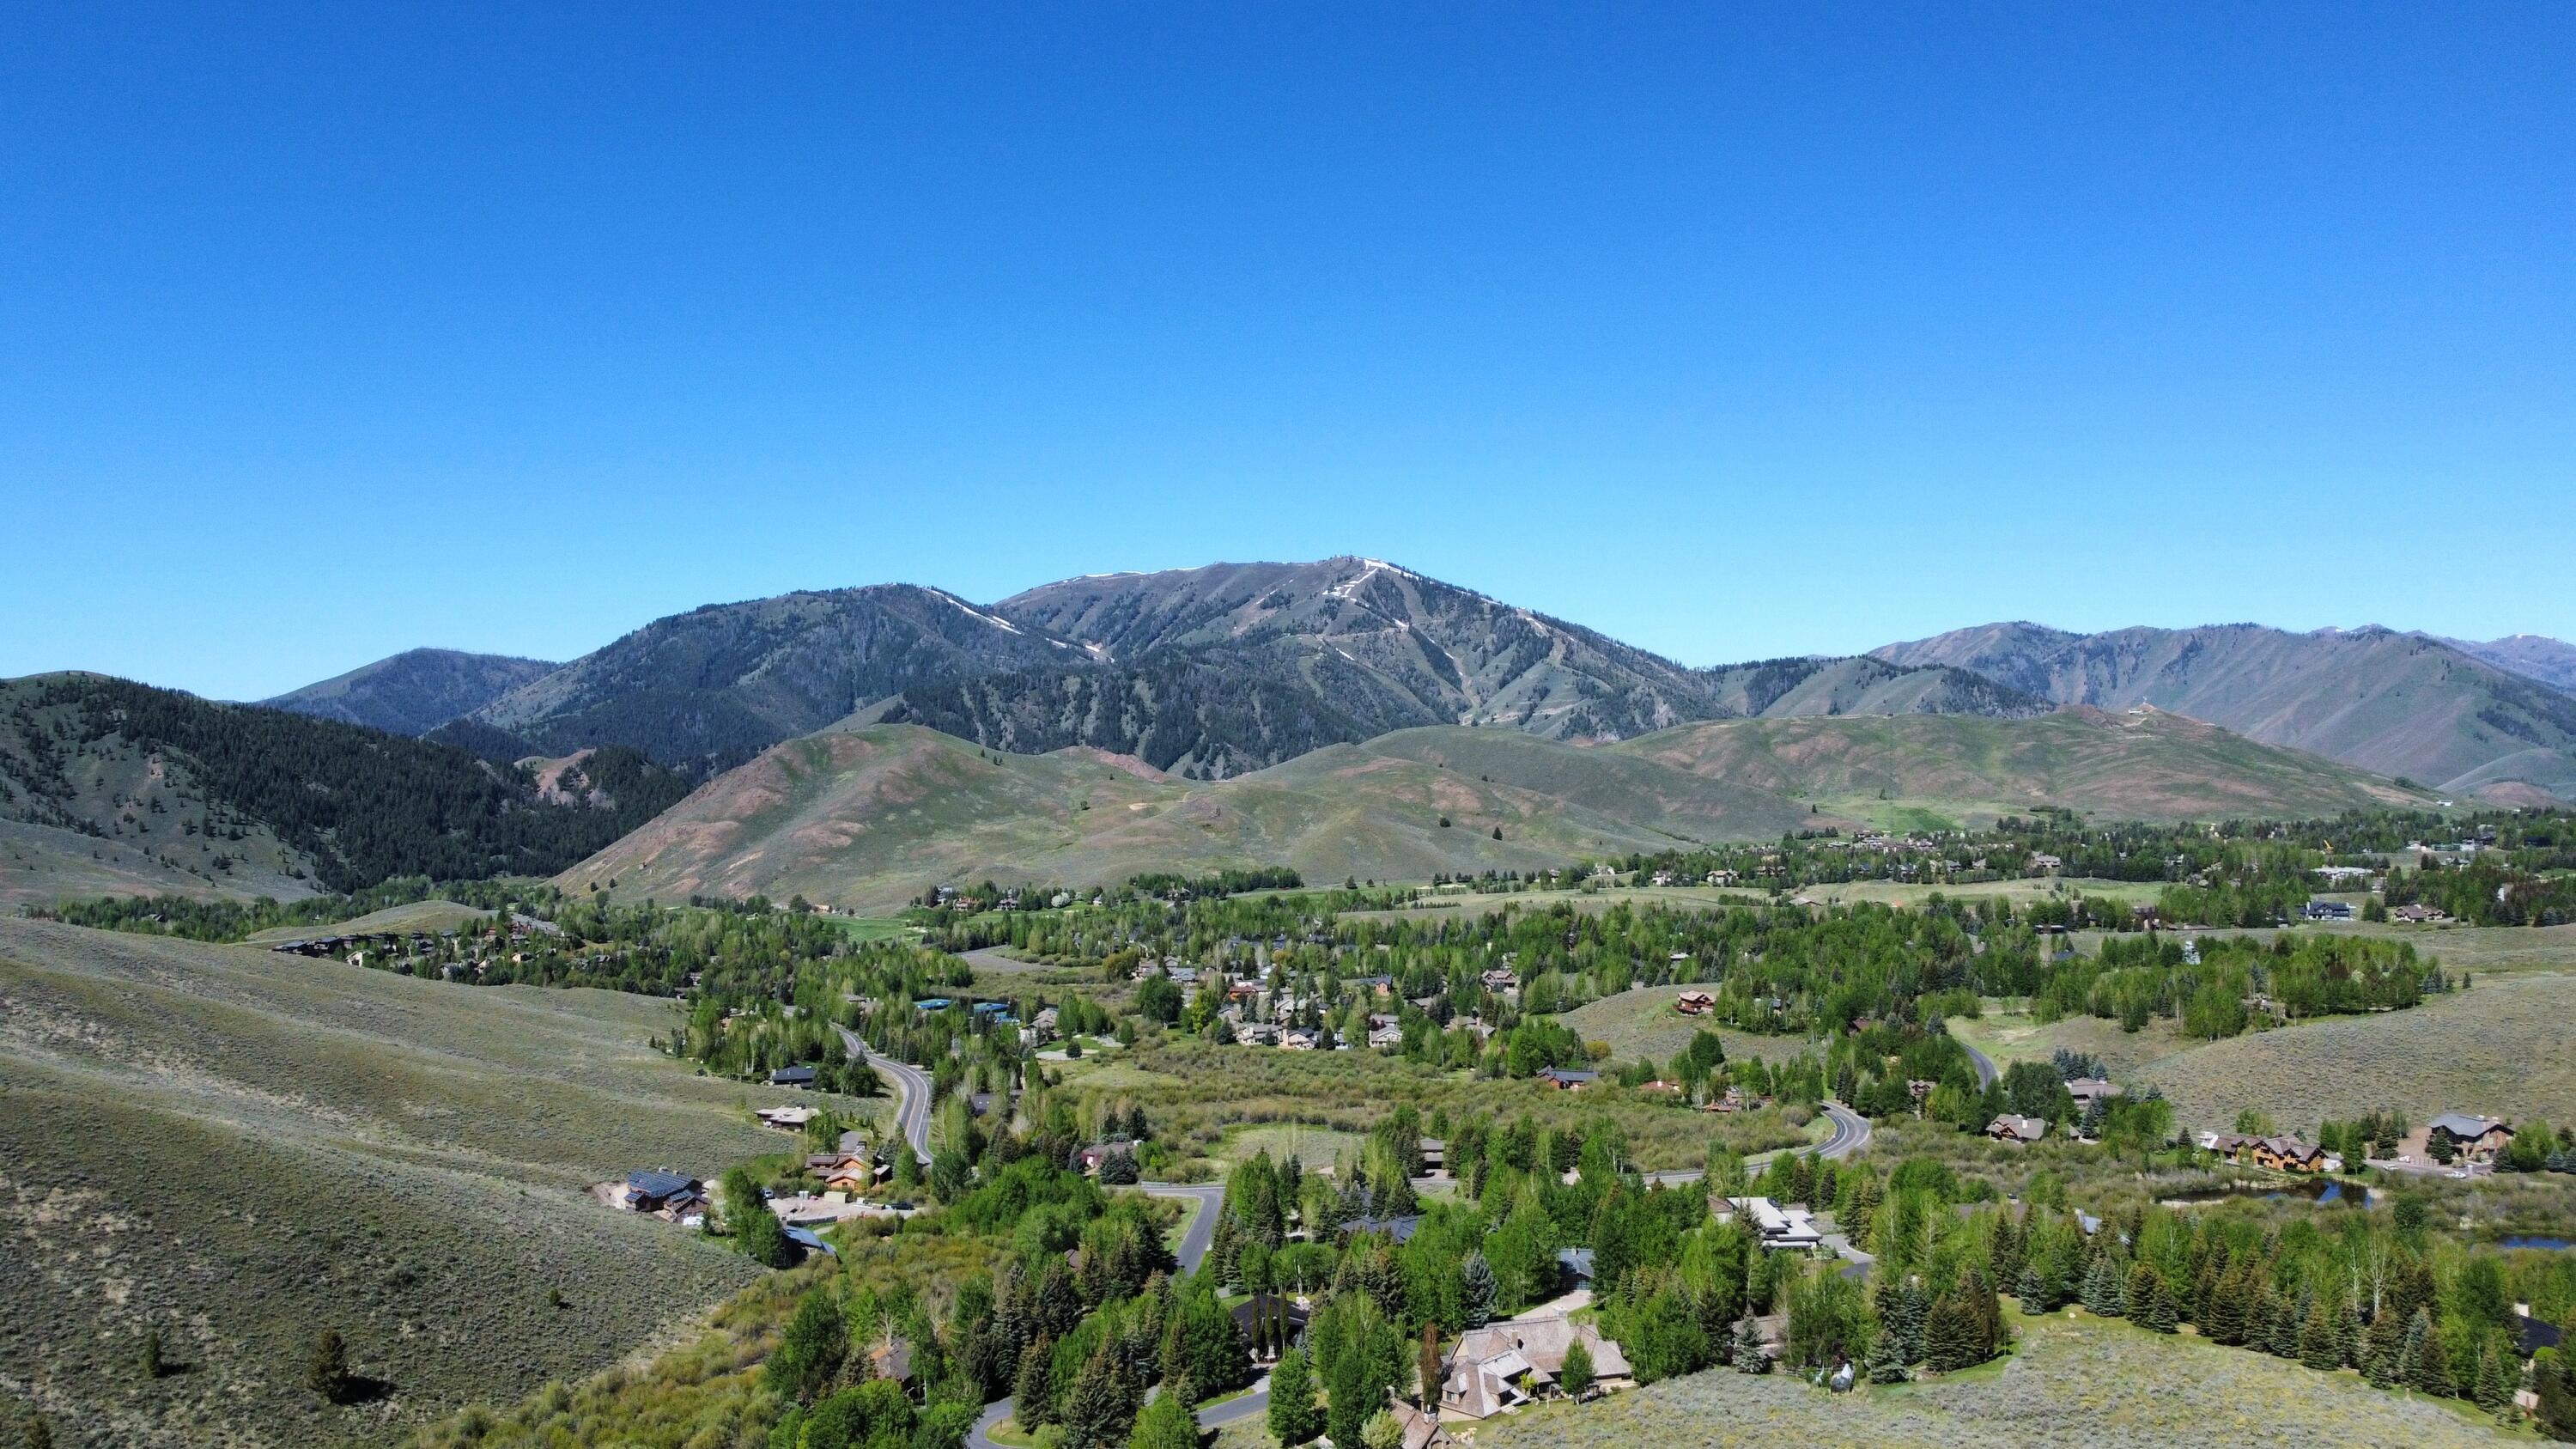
[[2075, 1379], [873, 815], [2499, 1048], [2149, 766], [245, 1148]]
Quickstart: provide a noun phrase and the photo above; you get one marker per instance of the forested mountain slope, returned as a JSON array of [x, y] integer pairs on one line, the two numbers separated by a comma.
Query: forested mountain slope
[[251, 801], [2396, 704], [413, 692]]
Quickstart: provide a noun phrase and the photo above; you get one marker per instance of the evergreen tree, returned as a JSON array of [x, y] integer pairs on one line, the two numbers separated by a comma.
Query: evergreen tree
[[2432, 1362], [2102, 1288], [2409, 1365], [2033, 1290], [2318, 1346], [1951, 1336], [2493, 1392], [1032, 1402], [2140, 1291], [1886, 1359], [1478, 1290], [1749, 1357], [1294, 1419], [326, 1369], [2163, 1314], [1576, 1375], [1165, 1424], [1101, 1406], [149, 1359]]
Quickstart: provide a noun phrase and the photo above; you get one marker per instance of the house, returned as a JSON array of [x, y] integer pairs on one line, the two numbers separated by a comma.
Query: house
[[1574, 1265], [786, 1119], [2531, 1335], [1435, 1155], [1504, 1365], [1384, 1037], [2326, 911], [2046, 862], [2279, 1154], [1257, 1033], [653, 1190], [1400, 1229], [1568, 1081], [1089, 1159], [2012, 1128], [854, 1175], [2477, 1139], [1774, 1225], [1500, 979], [2088, 1090], [1299, 1039], [892, 1361], [810, 1241], [1274, 1308], [1416, 1429], [792, 1077], [1695, 1003]]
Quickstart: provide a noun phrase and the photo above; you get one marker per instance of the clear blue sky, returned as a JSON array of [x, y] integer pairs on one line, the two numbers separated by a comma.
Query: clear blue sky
[[1732, 330]]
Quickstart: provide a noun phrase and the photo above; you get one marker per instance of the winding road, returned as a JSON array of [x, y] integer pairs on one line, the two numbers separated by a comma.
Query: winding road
[[1984, 1064], [911, 1091]]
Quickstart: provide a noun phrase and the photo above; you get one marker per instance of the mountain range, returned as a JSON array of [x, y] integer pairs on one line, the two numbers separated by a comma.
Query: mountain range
[[1214, 672]]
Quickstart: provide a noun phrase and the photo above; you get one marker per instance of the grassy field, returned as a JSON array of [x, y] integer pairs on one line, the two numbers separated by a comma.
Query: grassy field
[[428, 917], [2011, 1036], [2500, 1048], [2080, 1380], [245, 1147], [1202, 1098], [1643, 1023], [1313, 1146]]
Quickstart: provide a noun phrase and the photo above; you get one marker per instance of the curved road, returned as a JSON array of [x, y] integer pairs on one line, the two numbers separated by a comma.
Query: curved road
[[1984, 1064], [911, 1091]]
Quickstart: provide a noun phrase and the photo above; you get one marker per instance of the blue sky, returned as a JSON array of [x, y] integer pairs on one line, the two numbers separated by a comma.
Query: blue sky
[[1734, 331]]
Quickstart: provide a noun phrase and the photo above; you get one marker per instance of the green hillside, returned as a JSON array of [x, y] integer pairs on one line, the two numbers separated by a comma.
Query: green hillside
[[245, 1148], [2139, 766], [874, 815]]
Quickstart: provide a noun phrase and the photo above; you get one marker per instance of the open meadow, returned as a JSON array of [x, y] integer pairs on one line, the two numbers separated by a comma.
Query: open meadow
[[244, 1148], [1643, 1023], [2074, 1379]]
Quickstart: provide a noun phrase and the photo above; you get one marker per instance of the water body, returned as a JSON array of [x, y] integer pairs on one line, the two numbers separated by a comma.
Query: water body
[[2538, 1240], [2316, 1190]]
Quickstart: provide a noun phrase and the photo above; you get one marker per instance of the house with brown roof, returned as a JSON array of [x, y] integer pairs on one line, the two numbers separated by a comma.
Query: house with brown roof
[[2013, 1128], [1695, 1003], [1505, 1365]]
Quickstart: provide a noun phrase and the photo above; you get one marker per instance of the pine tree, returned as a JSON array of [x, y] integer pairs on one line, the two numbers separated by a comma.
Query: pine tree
[[2494, 1392], [2163, 1314], [2033, 1291], [1950, 1336], [2102, 1288], [1165, 1424], [2348, 1335], [326, 1369], [1478, 1290], [149, 1359], [2318, 1347], [1293, 1415], [1749, 1357], [2433, 1362], [1886, 1363], [2410, 1351], [2140, 1290], [1101, 1406], [1032, 1404]]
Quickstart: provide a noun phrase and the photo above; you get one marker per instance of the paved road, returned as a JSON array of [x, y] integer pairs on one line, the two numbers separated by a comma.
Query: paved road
[[1251, 1405], [911, 1091], [1985, 1066], [1851, 1134], [1201, 1232]]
